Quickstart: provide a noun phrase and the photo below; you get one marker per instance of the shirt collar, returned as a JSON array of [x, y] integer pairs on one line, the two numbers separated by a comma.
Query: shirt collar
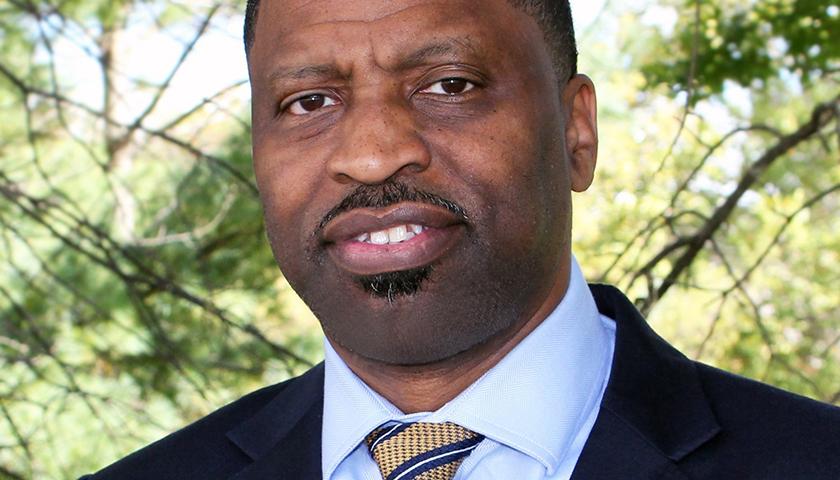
[[534, 400], [351, 411]]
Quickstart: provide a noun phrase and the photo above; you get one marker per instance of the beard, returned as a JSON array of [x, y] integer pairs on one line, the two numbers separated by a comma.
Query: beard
[[392, 285], [388, 285]]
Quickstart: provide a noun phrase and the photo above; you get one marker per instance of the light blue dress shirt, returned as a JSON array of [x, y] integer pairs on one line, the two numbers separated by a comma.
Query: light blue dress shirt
[[536, 407]]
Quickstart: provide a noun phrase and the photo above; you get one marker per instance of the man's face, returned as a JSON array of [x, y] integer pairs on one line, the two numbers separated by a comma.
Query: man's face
[[411, 162]]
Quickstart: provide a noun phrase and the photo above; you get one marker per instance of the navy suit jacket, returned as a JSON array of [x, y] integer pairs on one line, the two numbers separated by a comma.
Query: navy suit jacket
[[663, 417]]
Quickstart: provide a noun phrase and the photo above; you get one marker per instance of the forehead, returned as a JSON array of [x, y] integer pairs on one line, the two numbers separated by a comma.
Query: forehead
[[332, 30]]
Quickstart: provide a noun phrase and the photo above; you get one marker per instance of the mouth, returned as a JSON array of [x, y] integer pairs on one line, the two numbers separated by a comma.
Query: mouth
[[405, 236]]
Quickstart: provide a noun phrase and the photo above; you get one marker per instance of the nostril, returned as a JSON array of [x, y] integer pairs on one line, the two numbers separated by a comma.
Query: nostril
[[343, 178]]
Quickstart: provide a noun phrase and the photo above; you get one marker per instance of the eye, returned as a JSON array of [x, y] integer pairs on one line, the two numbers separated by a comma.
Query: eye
[[449, 86], [309, 103]]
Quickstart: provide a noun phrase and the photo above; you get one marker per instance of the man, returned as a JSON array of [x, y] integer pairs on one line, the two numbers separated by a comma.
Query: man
[[415, 160]]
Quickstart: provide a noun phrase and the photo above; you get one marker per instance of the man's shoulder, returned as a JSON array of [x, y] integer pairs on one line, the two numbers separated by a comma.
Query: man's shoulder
[[702, 420], [766, 432], [766, 413], [645, 358], [204, 448]]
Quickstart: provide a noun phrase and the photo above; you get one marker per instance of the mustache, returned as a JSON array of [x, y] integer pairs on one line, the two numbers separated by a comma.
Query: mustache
[[385, 195]]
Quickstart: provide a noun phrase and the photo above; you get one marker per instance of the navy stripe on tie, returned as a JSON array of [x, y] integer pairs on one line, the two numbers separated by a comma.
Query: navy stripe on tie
[[386, 433], [435, 458]]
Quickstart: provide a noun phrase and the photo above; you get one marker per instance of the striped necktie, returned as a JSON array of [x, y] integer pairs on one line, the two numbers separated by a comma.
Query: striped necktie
[[421, 450]]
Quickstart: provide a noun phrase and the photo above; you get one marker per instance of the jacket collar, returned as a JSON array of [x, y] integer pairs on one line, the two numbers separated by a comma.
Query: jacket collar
[[654, 411], [284, 438]]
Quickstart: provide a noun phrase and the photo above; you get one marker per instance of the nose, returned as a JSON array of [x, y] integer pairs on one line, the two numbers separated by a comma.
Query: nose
[[379, 140]]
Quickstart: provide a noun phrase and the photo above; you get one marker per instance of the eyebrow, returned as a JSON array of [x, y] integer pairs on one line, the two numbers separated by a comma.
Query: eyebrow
[[450, 47], [303, 73]]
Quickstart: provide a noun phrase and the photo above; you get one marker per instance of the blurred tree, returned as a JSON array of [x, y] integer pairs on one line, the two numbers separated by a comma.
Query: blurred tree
[[731, 208], [125, 306], [137, 291]]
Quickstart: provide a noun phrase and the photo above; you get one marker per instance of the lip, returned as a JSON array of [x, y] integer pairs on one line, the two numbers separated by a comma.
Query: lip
[[443, 229]]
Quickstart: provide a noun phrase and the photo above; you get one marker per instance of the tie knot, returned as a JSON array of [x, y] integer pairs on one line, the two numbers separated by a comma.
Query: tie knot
[[421, 450]]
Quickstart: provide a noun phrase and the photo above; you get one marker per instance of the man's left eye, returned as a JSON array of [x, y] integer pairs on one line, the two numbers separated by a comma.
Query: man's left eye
[[450, 86]]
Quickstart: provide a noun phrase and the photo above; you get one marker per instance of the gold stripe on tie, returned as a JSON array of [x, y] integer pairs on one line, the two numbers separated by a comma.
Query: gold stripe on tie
[[421, 450]]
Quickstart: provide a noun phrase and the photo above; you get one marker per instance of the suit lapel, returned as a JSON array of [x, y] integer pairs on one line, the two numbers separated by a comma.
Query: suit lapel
[[616, 450], [284, 438], [654, 412]]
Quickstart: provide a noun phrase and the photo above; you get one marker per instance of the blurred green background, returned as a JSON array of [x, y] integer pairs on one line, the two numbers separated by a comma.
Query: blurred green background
[[137, 291]]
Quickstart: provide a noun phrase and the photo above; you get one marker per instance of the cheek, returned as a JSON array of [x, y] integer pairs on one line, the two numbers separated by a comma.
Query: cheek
[[512, 168], [506, 158], [287, 189]]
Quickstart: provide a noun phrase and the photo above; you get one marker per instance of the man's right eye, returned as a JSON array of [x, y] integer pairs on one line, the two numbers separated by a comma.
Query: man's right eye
[[309, 103]]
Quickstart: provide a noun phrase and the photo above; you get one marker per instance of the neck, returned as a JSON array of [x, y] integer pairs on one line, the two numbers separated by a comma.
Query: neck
[[426, 388]]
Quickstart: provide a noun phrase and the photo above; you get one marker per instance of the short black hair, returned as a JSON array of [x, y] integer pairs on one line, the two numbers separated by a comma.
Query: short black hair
[[553, 16]]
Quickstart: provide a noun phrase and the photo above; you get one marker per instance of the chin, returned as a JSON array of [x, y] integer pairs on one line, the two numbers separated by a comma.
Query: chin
[[432, 321], [426, 315]]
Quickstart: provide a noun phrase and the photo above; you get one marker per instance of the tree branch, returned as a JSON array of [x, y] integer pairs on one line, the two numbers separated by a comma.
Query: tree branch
[[821, 116], [161, 134]]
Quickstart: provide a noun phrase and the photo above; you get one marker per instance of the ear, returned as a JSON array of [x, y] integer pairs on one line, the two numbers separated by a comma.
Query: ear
[[581, 130]]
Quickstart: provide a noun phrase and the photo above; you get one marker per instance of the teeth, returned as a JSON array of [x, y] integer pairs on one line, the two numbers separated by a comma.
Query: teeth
[[398, 234], [379, 238]]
